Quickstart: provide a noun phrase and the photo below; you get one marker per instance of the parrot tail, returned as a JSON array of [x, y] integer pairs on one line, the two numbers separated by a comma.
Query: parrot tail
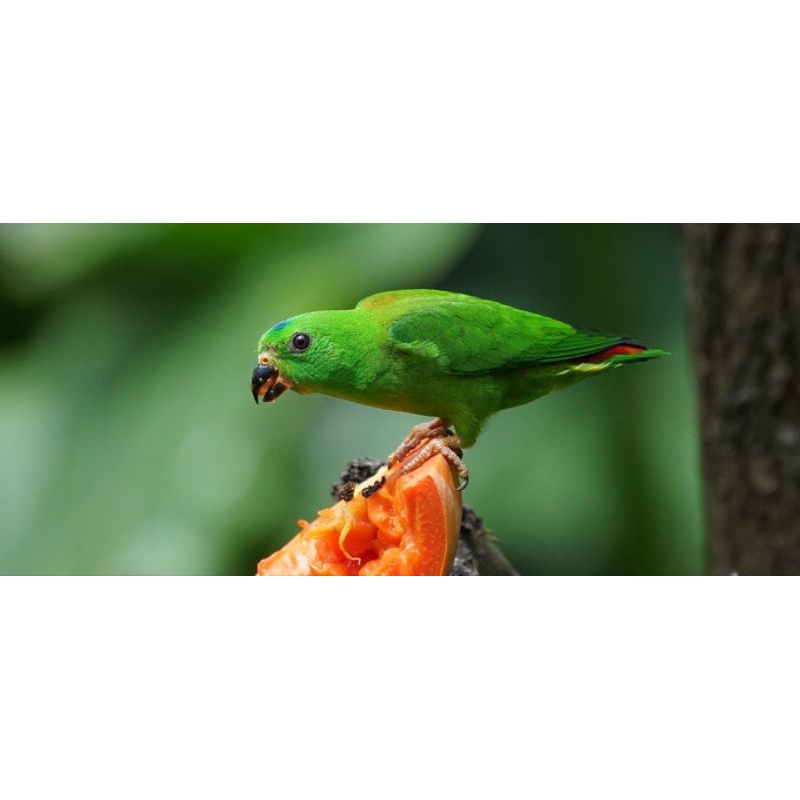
[[619, 353]]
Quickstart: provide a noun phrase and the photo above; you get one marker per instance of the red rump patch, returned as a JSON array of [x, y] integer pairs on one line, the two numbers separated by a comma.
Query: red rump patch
[[616, 350]]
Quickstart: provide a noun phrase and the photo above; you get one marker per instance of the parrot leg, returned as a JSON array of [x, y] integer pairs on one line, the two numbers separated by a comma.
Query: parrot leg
[[419, 433], [438, 439], [448, 446]]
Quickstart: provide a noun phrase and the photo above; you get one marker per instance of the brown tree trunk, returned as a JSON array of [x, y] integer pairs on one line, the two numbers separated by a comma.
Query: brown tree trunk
[[744, 301]]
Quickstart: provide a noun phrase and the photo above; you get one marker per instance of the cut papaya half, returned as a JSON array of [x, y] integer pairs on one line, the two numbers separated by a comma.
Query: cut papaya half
[[409, 526]]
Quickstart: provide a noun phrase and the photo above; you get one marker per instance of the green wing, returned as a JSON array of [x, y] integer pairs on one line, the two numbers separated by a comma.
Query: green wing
[[467, 335]]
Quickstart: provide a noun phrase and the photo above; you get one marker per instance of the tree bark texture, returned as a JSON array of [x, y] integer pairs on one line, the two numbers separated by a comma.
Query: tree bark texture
[[744, 302]]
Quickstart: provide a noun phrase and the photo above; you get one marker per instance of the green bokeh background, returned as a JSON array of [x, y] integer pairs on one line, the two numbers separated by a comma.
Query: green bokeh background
[[129, 442]]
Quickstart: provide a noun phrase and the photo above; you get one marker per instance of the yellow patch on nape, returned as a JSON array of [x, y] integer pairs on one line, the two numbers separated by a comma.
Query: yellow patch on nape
[[381, 299]]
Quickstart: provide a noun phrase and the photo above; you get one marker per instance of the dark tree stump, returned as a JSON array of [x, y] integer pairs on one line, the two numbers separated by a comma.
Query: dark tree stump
[[744, 301]]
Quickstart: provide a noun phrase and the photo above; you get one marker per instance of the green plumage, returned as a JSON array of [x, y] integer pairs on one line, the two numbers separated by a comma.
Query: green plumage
[[439, 354]]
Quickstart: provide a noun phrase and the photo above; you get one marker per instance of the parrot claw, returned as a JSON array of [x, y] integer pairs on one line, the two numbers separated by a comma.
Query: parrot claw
[[436, 428], [449, 446], [437, 438]]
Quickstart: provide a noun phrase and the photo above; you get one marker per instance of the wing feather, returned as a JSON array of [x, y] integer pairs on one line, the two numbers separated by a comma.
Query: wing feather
[[467, 335]]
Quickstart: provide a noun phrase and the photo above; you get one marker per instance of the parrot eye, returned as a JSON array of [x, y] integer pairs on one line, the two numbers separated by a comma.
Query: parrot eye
[[300, 342]]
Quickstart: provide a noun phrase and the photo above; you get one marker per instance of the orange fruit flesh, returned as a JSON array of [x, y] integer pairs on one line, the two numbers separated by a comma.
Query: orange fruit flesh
[[408, 527]]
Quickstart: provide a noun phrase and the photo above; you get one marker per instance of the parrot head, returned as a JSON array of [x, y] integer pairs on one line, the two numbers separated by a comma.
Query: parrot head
[[275, 350], [303, 353]]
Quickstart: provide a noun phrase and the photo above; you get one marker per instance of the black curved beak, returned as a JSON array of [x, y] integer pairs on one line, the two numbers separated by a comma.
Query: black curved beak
[[261, 374]]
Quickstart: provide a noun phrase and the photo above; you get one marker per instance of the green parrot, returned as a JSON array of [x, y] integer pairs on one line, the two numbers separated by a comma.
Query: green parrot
[[450, 356]]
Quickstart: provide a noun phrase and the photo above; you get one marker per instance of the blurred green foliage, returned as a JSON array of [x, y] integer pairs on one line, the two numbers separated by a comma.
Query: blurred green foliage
[[131, 444]]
